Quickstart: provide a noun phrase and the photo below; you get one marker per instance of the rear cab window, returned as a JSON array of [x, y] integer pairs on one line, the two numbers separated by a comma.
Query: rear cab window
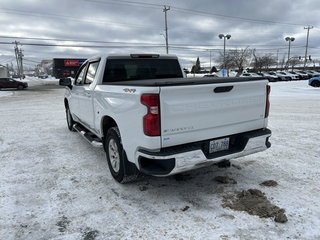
[[140, 68]]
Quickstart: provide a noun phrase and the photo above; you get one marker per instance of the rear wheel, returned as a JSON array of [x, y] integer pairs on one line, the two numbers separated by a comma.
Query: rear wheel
[[120, 168]]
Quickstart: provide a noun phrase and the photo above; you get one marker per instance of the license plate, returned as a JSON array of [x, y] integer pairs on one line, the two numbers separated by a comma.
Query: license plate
[[219, 145]]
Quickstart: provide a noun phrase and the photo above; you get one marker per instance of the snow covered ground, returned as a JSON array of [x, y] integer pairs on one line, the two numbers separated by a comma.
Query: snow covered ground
[[34, 81], [54, 185]]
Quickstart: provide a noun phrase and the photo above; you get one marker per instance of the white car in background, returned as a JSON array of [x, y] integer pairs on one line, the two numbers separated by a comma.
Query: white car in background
[[284, 76], [280, 76], [251, 74], [301, 74], [271, 78], [312, 73], [292, 75]]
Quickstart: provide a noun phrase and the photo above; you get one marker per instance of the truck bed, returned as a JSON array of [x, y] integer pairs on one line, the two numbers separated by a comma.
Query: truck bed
[[182, 81]]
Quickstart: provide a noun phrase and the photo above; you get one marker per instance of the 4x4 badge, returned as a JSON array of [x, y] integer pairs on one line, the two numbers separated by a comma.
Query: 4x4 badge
[[128, 90]]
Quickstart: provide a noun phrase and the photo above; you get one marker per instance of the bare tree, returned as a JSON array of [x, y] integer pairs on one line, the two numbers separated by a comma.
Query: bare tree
[[282, 62], [263, 62], [237, 58], [292, 62]]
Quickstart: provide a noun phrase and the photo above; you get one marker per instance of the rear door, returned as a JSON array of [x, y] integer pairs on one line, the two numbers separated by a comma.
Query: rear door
[[200, 112]]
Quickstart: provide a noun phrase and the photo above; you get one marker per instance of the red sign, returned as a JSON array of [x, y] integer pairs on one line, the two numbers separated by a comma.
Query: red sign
[[71, 63]]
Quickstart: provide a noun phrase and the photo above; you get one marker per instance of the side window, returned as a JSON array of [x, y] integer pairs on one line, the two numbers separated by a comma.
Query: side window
[[80, 76], [91, 73]]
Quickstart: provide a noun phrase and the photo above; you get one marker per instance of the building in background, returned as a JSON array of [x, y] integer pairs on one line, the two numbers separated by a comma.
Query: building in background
[[63, 67], [4, 72]]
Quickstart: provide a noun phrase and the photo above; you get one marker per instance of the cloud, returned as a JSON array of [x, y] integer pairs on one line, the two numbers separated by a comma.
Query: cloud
[[192, 24]]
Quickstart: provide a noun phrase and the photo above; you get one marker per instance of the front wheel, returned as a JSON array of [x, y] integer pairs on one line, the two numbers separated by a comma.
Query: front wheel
[[120, 168], [70, 121], [20, 87], [315, 84]]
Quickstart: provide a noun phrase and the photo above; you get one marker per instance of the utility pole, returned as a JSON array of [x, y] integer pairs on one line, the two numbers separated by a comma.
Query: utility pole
[[19, 59], [165, 9], [306, 53], [21, 63], [210, 60], [16, 52]]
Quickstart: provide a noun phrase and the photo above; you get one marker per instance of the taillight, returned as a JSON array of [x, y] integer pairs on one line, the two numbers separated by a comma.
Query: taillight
[[267, 102], [151, 121]]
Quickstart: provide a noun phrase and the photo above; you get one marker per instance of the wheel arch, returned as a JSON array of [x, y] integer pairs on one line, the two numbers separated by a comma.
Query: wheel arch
[[66, 103], [107, 122]]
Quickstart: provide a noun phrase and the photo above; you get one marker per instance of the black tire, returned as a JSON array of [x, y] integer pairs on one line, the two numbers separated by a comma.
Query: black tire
[[20, 87], [70, 121], [120, 168], [315, 83]]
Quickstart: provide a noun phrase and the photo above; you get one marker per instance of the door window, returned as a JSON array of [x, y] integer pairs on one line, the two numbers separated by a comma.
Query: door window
[[80, 76], [91, 73]]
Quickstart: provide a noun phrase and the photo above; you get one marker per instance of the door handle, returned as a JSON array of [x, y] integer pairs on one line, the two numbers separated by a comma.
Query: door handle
[[223, 89]]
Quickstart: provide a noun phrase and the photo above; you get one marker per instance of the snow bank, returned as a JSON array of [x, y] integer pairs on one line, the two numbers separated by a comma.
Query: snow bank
[[5, 93]]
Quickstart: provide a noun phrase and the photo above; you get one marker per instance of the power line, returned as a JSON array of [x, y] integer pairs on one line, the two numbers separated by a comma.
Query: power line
[[196, 12], [131, 3], [139, 43], [92, 20]]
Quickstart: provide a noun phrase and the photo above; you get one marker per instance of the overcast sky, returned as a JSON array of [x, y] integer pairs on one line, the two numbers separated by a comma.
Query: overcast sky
[[135, 26]]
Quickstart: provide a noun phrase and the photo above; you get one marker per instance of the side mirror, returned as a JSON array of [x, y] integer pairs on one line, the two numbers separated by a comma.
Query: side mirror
[[65, 82]]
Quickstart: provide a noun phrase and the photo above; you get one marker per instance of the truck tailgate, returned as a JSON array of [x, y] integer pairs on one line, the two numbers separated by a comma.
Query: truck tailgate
[[198, 112]]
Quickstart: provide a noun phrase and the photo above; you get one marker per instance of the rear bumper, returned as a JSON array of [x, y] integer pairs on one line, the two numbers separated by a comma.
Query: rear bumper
[[186, 157]]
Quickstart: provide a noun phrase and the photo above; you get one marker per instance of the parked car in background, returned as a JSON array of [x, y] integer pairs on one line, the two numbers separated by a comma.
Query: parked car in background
[[280, 76], [300, 74], [211, 75], [271, 78], [292, 76], [43, 76], [249, 74], [313, 73], [11, 83], [314, 82]]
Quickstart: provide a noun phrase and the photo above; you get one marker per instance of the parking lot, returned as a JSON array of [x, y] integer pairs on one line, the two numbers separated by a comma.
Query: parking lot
[[54, 185]]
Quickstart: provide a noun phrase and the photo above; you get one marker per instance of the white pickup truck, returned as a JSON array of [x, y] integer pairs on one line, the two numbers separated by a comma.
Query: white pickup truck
[[151, 119]]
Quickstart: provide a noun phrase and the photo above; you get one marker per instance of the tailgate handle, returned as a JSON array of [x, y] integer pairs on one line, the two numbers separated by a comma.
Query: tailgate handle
[[223, 89]]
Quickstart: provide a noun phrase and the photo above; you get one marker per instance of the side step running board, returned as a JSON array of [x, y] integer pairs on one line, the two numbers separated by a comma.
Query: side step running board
[[87, 135]]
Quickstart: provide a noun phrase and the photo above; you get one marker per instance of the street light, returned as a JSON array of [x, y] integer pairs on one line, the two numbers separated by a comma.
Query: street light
[[225, 37], [289, 39]]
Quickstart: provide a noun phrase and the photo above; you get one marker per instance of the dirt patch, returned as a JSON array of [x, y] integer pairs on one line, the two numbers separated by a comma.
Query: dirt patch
[[254, 202], [224, 164], [269, 183], [143, 188], [63, 223], [236, 166], [182, 177], [90, 234], [185, 208], [225, 180]]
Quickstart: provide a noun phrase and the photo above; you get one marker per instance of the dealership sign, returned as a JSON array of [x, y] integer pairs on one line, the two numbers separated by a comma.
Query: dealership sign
[[73, 63]]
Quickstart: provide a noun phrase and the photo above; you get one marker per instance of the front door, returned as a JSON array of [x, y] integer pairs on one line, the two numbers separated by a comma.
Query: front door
[[77, 91], [86, 113]]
